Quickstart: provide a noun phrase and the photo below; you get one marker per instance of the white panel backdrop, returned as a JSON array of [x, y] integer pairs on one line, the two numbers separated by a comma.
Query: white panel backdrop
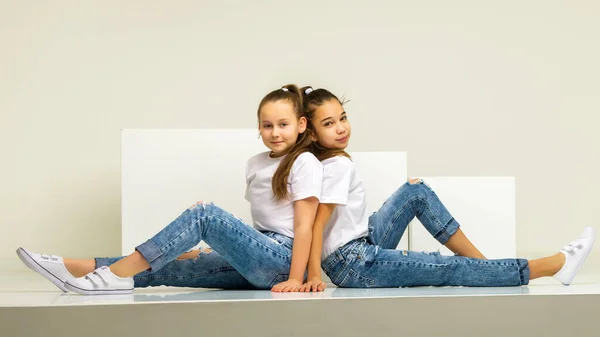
[[165, 171]]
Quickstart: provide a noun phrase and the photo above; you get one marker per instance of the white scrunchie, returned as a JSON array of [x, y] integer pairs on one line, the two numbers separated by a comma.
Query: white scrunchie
[[284, 89], [308, 91]]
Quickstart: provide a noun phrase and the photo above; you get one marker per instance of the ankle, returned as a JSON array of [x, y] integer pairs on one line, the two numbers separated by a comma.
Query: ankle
[[130, 265], [559, 261], [120, 272], [79, 268]]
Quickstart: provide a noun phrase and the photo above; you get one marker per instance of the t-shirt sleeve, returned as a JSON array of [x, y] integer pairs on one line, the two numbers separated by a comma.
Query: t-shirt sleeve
[[337, 177], [306, 177]]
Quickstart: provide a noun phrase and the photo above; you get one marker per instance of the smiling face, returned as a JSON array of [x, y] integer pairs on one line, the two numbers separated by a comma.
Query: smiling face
[[331, 125], [279, 126]]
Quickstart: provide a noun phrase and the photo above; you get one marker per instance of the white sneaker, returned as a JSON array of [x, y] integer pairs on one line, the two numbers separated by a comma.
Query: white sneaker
[[101, 281], [575, 253], [51, 267]]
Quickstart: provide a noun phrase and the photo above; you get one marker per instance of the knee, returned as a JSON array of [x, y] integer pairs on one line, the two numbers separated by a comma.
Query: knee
[[416, 191], [203, 209], [416, 186], [414, 181], [200, 204]]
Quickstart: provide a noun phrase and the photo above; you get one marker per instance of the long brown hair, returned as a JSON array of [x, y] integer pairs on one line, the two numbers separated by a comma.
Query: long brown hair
[[312, 100], [292, 94]]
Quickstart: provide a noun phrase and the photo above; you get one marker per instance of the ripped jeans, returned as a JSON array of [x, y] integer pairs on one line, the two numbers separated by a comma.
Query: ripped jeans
[[241, 256], [373, 261]]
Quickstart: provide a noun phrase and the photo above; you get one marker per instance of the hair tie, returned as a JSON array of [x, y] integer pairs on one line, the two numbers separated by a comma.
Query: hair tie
[[285, 89], [308, 90]]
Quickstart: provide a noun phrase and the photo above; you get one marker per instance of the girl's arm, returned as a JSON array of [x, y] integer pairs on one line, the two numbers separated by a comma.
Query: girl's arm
[[304, 217], [314, 281]]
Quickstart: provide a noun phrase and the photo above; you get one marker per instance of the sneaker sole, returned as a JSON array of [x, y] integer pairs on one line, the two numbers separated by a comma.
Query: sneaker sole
[[32, 264], [78, 290]]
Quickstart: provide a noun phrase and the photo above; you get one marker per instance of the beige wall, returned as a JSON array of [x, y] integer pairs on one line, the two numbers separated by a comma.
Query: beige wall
[[465, 87]]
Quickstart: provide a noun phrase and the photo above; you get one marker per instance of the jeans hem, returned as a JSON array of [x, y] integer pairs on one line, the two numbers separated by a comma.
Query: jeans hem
[[152, 253], [450, 229], [524, 271], [102, 262]]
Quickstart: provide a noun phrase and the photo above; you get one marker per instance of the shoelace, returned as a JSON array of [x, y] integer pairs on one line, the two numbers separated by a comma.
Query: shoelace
[[49, 257], [573, 246]]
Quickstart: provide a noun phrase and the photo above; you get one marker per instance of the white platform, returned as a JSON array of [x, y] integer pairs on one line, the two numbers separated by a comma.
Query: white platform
[[26, 289], [31, 306]]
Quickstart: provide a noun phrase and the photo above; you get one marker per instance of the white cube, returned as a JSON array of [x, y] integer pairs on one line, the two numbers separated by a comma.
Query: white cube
[[165, 171], [483, 206]]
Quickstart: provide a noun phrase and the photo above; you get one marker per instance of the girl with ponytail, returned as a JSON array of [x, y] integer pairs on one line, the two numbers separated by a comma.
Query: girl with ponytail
[[283, 186], [357, 250]]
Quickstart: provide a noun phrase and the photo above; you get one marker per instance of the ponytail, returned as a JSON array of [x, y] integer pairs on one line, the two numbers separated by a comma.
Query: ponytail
[[291, 93]]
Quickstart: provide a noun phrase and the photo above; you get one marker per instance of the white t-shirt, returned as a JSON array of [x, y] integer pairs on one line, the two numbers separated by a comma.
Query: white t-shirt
[[305, 180], [343, 187]]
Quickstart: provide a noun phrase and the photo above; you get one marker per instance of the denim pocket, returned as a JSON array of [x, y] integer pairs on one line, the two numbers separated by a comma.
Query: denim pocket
[[278, 279], [356, 280], [279, 239], [353, 250]]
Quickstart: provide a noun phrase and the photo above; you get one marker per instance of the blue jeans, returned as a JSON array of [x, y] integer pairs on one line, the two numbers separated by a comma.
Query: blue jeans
[[242, 257], [208, 270], [373, 261]]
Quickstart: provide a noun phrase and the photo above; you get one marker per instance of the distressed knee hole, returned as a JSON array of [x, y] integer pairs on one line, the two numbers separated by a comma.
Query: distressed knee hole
[[193, 254], [200, 203], [436, 253], [415, 181]]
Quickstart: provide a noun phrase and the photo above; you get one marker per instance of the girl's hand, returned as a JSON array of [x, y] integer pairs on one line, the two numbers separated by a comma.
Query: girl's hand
[[291, 285], [314, 284]]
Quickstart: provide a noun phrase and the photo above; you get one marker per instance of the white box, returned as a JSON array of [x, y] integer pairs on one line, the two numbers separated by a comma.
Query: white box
[[166, 171], [483, 206]]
